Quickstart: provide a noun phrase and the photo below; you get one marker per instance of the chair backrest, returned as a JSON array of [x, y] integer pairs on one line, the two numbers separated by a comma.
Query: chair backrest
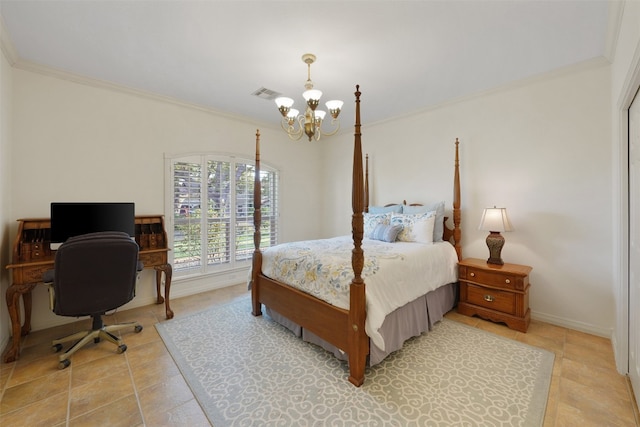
[[94, 273]]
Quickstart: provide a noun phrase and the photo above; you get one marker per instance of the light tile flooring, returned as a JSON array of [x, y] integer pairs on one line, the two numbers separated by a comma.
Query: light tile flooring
[[144, 387]]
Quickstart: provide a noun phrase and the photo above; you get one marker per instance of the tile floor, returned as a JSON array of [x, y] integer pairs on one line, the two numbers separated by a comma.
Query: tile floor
[[143, 386]]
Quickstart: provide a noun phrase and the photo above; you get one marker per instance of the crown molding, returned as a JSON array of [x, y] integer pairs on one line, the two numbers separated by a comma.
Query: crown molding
[[6, 44], [614, 22], [103, 84], [588, 64]]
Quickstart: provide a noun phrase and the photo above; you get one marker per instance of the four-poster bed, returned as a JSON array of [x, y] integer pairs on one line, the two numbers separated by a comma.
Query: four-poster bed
[[343, 328]]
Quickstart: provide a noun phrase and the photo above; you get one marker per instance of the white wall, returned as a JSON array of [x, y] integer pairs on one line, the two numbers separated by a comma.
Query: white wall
[[81, 142], [542, 149], [6, 239]]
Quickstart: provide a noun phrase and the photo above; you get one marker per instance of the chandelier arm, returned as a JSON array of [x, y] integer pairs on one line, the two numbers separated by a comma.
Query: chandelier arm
[[334, 122], [293, 134]]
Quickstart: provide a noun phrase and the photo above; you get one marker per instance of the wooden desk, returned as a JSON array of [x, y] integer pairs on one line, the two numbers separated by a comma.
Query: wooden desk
[[32, 256]]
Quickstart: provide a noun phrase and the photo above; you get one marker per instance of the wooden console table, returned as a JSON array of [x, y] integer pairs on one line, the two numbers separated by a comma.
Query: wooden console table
[[32, 256]]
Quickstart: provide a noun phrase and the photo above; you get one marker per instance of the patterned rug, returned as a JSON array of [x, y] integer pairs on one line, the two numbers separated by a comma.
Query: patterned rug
[[247, 370]]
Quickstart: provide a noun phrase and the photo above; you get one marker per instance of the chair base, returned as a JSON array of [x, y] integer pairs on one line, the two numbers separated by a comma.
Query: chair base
[[95, 335]]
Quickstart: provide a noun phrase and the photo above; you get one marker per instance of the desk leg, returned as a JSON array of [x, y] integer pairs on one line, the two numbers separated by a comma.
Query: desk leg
[[13, 304], [27, 302], [168, 272]]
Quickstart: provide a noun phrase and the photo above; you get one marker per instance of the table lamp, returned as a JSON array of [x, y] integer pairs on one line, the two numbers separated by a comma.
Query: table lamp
[[494, 220]]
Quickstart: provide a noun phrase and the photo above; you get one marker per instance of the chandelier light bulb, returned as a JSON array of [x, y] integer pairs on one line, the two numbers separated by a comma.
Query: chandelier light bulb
[[313, 94], [284, 104], [312, 97], [283, 101], [334, 106]]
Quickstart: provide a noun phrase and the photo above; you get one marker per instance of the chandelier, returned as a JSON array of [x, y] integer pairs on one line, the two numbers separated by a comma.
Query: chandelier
[[309, 123]]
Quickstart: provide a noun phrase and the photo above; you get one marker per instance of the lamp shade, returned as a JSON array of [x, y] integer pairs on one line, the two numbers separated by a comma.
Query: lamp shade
[[495, 219], [334, 104], [283, 101], [313, 94]]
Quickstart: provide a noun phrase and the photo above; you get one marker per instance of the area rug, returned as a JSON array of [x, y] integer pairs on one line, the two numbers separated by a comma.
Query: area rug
[[247, 370]]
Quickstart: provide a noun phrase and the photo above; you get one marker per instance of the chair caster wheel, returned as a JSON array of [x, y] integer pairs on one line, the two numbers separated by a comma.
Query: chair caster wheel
[[138, 328], [96, 340], [64, 364], [122, 348], [56, 348]]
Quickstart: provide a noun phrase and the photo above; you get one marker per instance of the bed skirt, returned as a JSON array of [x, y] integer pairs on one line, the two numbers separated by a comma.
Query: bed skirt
[[408, 321]]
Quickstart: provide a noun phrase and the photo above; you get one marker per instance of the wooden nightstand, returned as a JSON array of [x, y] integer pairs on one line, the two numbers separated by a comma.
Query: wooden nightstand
[[495, 292]]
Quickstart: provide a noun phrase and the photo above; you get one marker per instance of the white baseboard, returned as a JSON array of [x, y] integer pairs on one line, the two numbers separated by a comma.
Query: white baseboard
[[572, 324], [180, 287], [191, 286], [622, 360]]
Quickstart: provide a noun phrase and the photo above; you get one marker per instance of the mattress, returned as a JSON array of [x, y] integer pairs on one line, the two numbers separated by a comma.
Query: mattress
[[395, 273]]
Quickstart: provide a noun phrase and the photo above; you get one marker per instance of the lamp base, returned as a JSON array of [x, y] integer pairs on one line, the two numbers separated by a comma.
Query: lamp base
[[495, 242]]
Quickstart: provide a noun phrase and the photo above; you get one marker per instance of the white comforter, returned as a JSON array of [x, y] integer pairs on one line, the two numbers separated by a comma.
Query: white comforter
[[394, 273]]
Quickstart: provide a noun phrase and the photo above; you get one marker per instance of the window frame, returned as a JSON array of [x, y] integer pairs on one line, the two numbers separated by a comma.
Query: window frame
[[203, 158]]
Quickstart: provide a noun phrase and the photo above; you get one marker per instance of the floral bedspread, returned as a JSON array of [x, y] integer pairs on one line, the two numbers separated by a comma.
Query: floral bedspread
[[394, 273]]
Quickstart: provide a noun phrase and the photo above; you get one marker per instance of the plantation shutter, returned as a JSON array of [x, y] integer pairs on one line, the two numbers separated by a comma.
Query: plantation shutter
[[244, 211], [219, 212], [269, 208], [213, 212], [187, 197]]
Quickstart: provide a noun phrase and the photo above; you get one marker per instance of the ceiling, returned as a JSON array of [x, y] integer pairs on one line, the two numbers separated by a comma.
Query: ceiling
[[405, 55]]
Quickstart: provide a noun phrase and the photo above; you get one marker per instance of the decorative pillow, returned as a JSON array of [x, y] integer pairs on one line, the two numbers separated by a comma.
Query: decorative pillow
[[386, 233], [438, 228], [416, 227], [385, 209], [371, 220]]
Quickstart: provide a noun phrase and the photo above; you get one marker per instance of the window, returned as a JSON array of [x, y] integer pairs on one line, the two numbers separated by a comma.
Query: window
[[213, 212]]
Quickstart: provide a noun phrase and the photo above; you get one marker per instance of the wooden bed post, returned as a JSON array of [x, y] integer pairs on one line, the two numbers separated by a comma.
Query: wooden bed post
[[357, 338], [366, 184], [257, 219], [457, 233]]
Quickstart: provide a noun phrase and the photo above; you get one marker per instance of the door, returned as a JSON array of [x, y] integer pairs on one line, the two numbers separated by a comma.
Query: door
[[634, 244]]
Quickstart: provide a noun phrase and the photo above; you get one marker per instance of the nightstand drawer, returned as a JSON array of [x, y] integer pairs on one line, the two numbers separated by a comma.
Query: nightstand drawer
[[493, 278], [504, 302]]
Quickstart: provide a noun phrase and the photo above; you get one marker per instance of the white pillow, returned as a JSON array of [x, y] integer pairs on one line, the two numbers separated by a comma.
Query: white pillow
[[415, 227], [438, 228]]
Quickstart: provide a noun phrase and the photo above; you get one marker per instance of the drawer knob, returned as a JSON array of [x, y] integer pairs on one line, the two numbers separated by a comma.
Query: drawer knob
[[472, 274], [507, 281], [488, 298]]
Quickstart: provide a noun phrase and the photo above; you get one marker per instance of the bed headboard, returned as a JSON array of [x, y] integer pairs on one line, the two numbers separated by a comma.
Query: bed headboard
[[451, 235]]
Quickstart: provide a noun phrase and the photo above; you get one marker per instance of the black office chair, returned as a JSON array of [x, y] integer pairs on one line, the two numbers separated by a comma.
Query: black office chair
[[93, 273]]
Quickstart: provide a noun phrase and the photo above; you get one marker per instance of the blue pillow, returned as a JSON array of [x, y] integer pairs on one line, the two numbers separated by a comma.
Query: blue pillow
[[386, 233], [385, 209]]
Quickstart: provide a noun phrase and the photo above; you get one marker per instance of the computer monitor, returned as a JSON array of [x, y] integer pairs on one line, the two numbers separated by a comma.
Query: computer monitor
[[69, 219]]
